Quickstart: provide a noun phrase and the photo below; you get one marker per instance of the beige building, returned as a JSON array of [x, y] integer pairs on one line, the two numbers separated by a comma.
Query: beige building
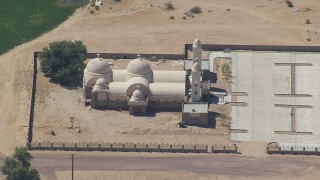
[[138, 88], [134, 88]]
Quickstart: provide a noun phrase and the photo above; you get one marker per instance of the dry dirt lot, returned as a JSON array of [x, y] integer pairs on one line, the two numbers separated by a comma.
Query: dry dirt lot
[[165, 175], [134, 26], [55, 106]]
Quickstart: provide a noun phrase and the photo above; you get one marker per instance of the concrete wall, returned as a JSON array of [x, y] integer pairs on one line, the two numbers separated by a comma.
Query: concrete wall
[[202, 120], [33, 97], [98, 103], [156, 104], [87, 92], [222, 47], [133, 56], [121, 104], [293, 151], [131, 147]]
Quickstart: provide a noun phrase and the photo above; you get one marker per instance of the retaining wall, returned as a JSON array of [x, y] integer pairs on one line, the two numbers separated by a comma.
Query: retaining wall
[[222, 47], [229, 149], [33, 97], [132, 147], [133, 56], [122, 147], [297, 150]]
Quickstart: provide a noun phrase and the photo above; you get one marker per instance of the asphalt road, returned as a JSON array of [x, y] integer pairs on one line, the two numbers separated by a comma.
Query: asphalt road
[[228, 165]]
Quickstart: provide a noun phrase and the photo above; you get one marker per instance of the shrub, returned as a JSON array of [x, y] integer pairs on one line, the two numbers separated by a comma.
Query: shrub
[[53, 133], [222, 117], [63, 61], [308, 21], [168, 5], [171, 17], [196, 10]]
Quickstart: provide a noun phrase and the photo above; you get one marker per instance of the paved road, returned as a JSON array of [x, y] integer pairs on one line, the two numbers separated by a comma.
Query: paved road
[[229, 165]]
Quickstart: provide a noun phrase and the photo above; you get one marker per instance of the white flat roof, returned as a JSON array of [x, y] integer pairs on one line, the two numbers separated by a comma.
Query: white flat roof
[[195, 108], [257, 74], [205, 64]]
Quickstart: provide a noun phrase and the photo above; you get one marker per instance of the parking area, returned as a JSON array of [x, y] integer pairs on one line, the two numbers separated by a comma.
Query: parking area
[[283, 102]]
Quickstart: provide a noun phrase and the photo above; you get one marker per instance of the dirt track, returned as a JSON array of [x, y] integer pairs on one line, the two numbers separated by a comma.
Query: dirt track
[[136, 27]]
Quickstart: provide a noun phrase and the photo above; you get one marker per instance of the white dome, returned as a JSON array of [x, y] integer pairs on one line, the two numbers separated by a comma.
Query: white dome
[[197, 43], [137, 83], [98, 66], [101, 84], [138, 67], [137, 95]]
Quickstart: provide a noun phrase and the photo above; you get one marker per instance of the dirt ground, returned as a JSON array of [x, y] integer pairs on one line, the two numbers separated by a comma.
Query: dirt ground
[[55, 106], [139, 175], [137, 27], [164, 175]]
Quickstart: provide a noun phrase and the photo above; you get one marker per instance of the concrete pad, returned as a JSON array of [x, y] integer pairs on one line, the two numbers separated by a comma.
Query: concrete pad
[[257, 74]]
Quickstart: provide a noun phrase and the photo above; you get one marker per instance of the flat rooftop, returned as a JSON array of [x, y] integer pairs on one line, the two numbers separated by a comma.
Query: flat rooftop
[[195, 108], [283, 96], [205, 64]]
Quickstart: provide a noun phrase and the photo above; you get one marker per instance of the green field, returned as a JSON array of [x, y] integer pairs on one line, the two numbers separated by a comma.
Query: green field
[[23, 20]]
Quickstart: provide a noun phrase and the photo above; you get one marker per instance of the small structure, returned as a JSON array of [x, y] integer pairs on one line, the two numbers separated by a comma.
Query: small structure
[[138, 102], [195, 113], [223, 97]]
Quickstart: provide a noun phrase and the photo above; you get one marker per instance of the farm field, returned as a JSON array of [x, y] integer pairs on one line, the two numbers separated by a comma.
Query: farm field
[[21, 21]]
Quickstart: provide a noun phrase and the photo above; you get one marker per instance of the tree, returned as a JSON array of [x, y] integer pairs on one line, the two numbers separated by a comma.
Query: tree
[[18, 166], [63, 61], [23, 156], [196, 10], [168, 5]]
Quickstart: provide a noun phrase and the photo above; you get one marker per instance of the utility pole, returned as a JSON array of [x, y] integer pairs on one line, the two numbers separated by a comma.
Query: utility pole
[[72, 167]]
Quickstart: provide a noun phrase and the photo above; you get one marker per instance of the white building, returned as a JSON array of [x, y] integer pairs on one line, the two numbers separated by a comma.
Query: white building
[[138, 88]]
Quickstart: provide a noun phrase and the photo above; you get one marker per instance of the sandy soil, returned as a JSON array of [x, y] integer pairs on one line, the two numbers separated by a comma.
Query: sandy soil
[[55, 106], [135, 26], [138, 175], [164, 175]]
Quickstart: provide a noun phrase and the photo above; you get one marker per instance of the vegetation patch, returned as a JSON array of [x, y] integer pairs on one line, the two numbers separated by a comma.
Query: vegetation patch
[[63, 61], [21, 21], [168, 5], [196, 10], [18, 167]]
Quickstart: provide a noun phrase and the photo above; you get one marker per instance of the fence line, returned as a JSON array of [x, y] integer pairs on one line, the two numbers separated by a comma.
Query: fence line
[[300, 150], [222, 47], [133, 56], [131, 147], [187, 47], [33, 97]]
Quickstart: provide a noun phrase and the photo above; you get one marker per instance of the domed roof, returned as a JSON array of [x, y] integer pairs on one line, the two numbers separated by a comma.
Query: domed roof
[[101, 84], [137, 95], [98, 66], [139, 67], [197, 43]]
